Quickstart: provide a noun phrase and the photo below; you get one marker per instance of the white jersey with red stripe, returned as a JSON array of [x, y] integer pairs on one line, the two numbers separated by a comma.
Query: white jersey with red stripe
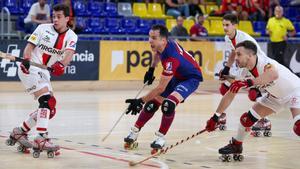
[[51, 45], [286, 83], [49, 48]]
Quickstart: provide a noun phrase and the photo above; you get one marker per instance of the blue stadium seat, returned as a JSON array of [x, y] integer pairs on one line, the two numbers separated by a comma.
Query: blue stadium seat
[[96, 8], [143, 26], [13, 6], [80, 8], [297, 27], [159, 21], [113, 26], [83, 23], [291, 12], [111, 9], [26, 5], [129, 25], [20, 26], [96, 25], [285, 3], [260, 26]]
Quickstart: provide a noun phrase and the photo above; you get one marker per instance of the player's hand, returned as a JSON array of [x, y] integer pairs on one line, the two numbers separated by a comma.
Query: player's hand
[[237, 85], [224, 71], [211, 124], [25, 65], [58, 69], [254, 93], [149, 78], [135, 106]]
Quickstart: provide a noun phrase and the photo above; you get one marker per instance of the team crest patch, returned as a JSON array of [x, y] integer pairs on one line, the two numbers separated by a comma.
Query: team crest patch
[[169, 66], [33, 37], [72, 44]]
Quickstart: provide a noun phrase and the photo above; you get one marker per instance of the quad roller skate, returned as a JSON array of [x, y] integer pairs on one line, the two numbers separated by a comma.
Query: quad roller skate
[[262, 127], [231, 151], [130, 140], [222, 122], [42, 143], [20, 137], [158, 143]]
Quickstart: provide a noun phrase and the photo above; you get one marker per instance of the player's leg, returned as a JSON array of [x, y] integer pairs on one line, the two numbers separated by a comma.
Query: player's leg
[[294, 104], [182, 90]]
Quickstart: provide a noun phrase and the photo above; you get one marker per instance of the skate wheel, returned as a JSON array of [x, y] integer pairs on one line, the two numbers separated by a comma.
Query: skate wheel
[[154, 151], [50, 154], [258, 134], [222, 127], [36, 154], [10, 142], [126, 146], [268, 134], [135, 145], [21, 148], [235, 157], [240, 157], [228, 158]]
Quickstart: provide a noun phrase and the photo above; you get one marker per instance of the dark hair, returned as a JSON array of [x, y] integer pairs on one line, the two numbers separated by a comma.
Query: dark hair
[[232, 18], [249, 45], [163, 31], [62, 7]]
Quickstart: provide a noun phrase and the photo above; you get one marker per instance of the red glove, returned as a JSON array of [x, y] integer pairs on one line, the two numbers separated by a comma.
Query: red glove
[[25, 65], [58, 69], [211, 124], [253, 94], [235, 86]]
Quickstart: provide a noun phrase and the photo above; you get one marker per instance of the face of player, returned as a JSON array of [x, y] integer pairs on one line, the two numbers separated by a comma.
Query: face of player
[[229, 28], [60, 21], [156, 41], [242, 57]]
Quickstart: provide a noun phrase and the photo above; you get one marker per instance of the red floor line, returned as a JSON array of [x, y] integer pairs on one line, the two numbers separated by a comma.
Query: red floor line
[[99, 155]]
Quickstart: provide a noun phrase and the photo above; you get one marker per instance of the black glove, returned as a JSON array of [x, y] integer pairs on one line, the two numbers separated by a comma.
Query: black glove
[[135, 106], [224, 71], [149, 78], [25, 65]]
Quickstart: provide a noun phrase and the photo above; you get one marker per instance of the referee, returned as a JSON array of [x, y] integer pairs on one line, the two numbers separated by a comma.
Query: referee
[[279, 28]]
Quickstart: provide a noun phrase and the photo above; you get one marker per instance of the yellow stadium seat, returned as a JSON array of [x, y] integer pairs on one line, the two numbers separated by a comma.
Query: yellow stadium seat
[[216, 28], [210, 8], [170, 23], [247, 27], [155, 11], [188, 23], [140, 9], [202, 7], [206, 25]]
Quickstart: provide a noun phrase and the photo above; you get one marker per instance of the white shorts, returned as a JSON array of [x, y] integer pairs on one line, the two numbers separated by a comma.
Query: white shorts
[[35, 80], [276, 104]]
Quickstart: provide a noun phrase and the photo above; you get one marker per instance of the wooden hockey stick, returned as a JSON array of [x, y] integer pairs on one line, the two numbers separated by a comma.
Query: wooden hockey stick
[[164, 151], [17, 59], [104, 138]]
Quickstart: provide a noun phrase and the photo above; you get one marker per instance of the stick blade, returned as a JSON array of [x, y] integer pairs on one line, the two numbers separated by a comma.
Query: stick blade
[[131, 163]]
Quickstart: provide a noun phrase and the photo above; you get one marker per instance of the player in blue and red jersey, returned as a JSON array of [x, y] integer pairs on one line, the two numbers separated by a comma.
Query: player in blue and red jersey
[[180, 78]]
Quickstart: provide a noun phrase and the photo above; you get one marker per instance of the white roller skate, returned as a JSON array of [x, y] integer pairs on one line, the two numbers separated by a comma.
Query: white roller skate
[[42, 143], [158, 143], [20, 137], [130, 140], [222, 122], [262, 127]]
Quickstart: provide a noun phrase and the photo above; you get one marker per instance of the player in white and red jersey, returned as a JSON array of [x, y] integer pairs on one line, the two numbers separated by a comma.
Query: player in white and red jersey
[[281, 85], [234, 36], [52, 45]]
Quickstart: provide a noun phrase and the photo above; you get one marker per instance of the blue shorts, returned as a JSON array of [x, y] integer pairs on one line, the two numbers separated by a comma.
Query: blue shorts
[[183, 87]]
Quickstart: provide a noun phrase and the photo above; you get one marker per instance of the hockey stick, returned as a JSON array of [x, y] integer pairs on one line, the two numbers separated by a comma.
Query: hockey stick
[[104, 138], [17, 59], [164, 151]]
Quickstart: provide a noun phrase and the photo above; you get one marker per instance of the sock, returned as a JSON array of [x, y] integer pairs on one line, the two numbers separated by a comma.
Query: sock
[[42, 120], [30, 122], [242, 133], [166, 122]]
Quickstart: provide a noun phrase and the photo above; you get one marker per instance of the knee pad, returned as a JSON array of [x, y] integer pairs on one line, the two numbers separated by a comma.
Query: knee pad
[[151, 106], [168, 107], [297, 127], [223, 89], [47, 101], [247, 119], [253, 94]]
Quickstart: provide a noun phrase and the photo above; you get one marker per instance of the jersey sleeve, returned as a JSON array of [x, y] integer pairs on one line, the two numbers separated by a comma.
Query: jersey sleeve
[[71, 44], [289, 25], [36, 35], [170, 66]]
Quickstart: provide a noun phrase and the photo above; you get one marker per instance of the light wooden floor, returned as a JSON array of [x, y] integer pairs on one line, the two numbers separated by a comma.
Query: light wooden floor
[[84, 117]]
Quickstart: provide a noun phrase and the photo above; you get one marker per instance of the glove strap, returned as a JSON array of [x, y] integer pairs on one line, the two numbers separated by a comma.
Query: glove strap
[[226, 68], [215, 117], [249, 82]]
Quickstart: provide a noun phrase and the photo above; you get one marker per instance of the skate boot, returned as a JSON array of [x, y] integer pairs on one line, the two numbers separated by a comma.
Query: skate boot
[[158, 143], [232, 150], [20, 137], [130, 140], [262, 127], [43, 143], [222, 122]]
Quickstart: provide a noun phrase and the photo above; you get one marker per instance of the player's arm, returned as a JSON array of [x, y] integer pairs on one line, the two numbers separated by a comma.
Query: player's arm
[[28, 50], [270, 74], [68, 55]]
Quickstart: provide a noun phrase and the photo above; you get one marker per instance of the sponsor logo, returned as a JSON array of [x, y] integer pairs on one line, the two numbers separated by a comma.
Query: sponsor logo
[[31, 88], [169, 66], [10, 68], [72, 44], [50, 33], [50, 49], [46, 39], [294, 64], [84, 57], [33, 37]]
